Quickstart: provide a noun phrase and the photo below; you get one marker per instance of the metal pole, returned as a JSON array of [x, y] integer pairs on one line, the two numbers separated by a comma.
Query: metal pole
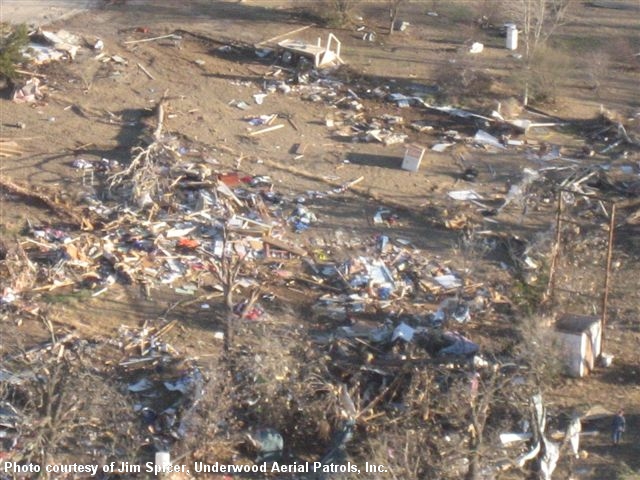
[[607, 275]]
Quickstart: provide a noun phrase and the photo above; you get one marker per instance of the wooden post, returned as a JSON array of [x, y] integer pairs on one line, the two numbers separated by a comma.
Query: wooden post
[[556, 251], [607, 275]]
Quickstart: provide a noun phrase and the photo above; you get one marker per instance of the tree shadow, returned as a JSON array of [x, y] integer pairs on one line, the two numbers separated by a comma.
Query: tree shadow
[[220, 10], [130, 134]]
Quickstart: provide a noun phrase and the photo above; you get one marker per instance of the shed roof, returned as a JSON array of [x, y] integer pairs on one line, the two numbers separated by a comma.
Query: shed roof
[[573, 323]]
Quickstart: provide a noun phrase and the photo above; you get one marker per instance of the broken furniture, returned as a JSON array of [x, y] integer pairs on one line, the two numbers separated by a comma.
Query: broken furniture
[[294, 50]]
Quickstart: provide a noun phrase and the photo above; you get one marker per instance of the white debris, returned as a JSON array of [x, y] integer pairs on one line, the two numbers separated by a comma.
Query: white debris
[[464, 195], [403, 332], [441, 147], [477, 47], [485, 138]]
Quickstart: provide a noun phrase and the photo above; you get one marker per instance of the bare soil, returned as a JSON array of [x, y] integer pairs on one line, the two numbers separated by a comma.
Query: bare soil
[[97, 110]]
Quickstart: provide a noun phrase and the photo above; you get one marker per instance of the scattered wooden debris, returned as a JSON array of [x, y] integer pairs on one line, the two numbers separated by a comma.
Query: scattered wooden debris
[[146, 72], [10, 148], [152, 39], [268, 129], [274, 242]]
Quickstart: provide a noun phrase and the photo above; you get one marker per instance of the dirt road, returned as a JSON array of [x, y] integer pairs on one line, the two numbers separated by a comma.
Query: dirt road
[[41, 12]]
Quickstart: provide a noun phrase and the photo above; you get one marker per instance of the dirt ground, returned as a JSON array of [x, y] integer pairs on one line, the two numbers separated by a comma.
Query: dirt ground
[[97, 110]]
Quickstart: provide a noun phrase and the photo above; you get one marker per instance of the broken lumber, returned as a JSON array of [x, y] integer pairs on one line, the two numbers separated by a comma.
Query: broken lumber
[[32, 74], [171, 35], [146, 72], [352, 183], [265, 130], [293, 124], [157, 134], [282, 245], [9, 148]]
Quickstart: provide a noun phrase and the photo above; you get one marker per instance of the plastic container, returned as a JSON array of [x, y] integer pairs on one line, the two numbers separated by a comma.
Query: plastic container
[[512, 37]]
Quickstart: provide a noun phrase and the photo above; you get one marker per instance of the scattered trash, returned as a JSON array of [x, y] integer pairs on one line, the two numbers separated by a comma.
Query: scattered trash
[[477, 47], [259, 98], [412, 158], [63, 41], [459, 345], [485, 138], [403, 332], [240, 104], [388, 309], [30, 92], [441, 147], [369, 36], [464, 195], [82, 164], [301, 219], [606, 360], [518, 192], [268, 443], [400, 26]]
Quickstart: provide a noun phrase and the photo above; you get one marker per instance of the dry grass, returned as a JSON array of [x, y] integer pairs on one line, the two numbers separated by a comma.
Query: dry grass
[[544, 76]]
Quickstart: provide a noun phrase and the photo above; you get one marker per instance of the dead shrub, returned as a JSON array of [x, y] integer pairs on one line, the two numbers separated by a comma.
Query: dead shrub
[[623, 54], [332, 13], [598, 63], [407, 440], [542, 350], [462, 79], [541, 80], [488, 13], [57, 416], [16, 270], [511, 108], [405, 452], [279, 385], [458, 12]]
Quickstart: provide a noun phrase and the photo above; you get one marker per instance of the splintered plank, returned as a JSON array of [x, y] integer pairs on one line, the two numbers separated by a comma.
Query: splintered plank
[[9, 148], [268, 129], [282, 245]]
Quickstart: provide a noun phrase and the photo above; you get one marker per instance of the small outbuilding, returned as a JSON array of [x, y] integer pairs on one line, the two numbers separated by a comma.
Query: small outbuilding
[[580, 339]]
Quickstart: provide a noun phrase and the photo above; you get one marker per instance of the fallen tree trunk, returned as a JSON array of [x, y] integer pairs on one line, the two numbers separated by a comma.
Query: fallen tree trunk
[[28, 193]]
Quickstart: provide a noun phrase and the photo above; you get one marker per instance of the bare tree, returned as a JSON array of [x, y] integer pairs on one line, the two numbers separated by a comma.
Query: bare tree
[[344, 7], [394, 6], [226, 271], [336, 12], [536, 20], [479, 412]]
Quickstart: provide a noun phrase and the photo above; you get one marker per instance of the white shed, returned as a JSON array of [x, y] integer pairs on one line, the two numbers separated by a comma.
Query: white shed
[[580, 338]]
